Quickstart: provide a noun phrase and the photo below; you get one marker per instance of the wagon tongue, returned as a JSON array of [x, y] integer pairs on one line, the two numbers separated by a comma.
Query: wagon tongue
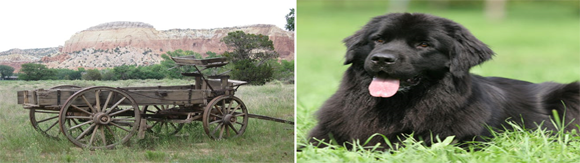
[[383, 87]]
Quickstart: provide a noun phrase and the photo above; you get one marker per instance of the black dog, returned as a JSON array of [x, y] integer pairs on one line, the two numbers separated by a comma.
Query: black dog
[[409, 73]]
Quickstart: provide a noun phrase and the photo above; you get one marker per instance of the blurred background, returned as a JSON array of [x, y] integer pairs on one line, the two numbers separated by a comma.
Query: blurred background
[[534, 41]]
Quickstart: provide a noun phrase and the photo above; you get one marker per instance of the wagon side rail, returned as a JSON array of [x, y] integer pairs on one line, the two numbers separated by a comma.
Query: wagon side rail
[[44, 98]]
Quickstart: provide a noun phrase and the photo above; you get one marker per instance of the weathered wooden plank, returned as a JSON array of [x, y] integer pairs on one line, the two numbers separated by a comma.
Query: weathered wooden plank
[[53, 97], [183, 94], [190, 60], [176, 87], [147, 97]]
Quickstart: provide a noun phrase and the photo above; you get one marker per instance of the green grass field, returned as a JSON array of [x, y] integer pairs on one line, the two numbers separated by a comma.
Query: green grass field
[[536, 42], [263, 141]]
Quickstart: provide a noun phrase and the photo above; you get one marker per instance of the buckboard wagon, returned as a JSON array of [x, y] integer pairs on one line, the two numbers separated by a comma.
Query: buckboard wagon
[[103, 117]]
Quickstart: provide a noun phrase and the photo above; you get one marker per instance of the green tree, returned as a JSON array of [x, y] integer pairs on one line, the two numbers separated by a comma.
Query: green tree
[[5, 71], [152, 72], [108, 74], [123, 72], [249, 54], [290, 20], [92, 74], [247, 70], [68, 74], [283, 70], [33, 71], [256, 48], [211, 54]]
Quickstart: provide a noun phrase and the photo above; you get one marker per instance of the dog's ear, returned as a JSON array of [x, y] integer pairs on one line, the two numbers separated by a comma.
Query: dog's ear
[[352, 43], [358, 43], [467, 52]]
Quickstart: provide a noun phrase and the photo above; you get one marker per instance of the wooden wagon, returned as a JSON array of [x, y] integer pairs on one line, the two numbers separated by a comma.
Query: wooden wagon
[[103, 117]]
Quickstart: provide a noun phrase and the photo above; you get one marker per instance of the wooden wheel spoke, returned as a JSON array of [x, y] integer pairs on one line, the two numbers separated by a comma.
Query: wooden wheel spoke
[[78, 117], [51, 126], [121, 111], [222, 128], [93, 136], [119, 126], [219, 110], [85, 132], [161, 127], [82, 110], [47, 119], [216, 121], [88, 103], [103, 138], [79, 125], [157, 107], [233, 129], [123, 120], [98, 100], [240, 123], [227, 130], [229, 106], [236, 108], [215, 115], [116, 104], [110, 131], [173, 125], [216, 128], [155, 124], [109, 97]]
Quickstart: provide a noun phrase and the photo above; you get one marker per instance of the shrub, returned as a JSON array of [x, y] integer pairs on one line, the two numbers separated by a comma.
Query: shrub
[[92, 74], [247, 70]]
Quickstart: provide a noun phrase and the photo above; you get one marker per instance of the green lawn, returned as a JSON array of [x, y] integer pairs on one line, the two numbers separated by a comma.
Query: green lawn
[[536, 42], [263, 141]]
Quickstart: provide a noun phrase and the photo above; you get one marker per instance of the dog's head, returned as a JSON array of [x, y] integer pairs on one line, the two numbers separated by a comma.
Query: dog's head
[[401, 50]]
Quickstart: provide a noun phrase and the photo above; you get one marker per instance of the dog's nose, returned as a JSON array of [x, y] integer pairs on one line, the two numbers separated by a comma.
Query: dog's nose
[[383, 58]]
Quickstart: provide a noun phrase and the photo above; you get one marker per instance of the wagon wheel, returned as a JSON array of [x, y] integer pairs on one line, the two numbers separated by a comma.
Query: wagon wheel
[[45, 121], [225, 117], [99, 117], [162, 127], [65, 87]]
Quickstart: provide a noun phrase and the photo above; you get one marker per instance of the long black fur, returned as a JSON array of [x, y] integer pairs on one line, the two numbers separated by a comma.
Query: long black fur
[[448, 100]]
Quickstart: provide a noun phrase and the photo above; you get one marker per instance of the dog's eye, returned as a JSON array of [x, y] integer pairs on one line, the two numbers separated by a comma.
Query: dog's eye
[[380, 41], [423, 45]]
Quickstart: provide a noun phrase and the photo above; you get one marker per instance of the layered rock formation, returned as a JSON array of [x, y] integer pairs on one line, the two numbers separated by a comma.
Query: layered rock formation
[[16, 57], [136, 43]]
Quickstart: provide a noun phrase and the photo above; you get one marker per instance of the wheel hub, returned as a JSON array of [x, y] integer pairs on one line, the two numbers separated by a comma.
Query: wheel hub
[[102, 118], [229, 119]]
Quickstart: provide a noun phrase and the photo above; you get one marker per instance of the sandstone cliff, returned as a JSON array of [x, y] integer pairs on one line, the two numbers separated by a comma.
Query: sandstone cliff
[[16, 57], [135, 43]]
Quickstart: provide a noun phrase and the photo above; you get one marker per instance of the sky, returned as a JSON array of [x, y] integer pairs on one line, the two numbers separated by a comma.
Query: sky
[[30, 24]]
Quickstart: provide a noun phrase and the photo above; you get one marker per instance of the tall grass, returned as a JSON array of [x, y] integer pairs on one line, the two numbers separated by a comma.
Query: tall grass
[[263, 141], [537, 42]]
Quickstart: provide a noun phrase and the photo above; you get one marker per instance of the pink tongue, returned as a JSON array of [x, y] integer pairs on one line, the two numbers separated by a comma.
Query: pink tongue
[[384, 87]]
